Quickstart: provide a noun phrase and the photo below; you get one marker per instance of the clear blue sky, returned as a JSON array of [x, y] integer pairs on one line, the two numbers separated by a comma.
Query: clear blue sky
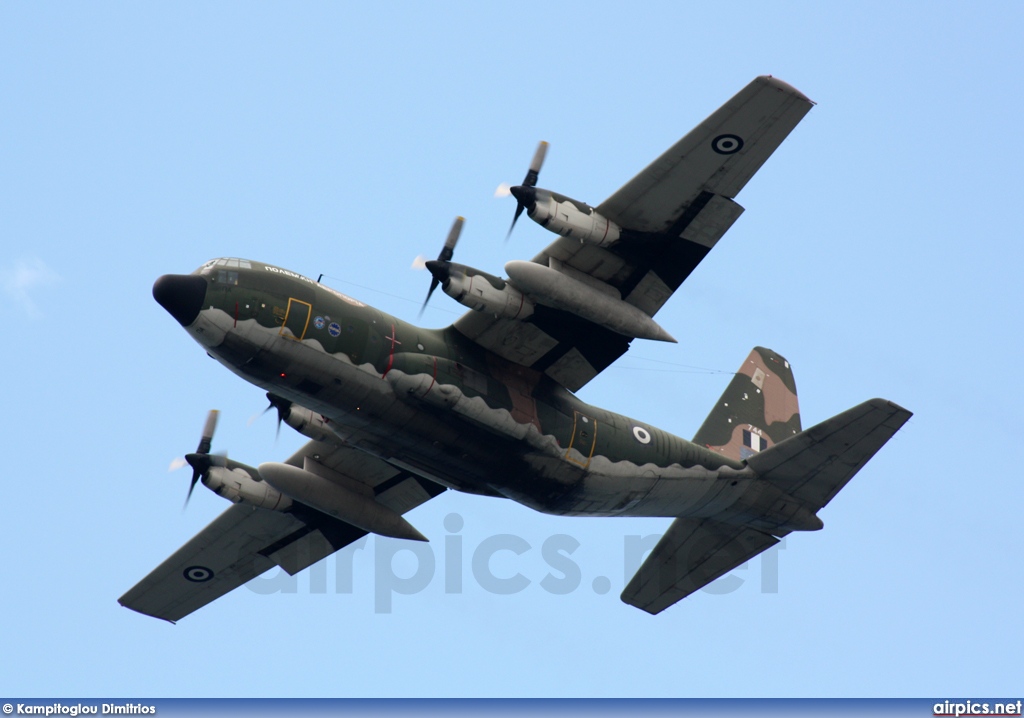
[[880, 252]]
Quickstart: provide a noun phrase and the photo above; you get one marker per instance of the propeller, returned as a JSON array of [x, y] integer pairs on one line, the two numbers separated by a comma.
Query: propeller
[[202, 460], [522, 197], [438, 267], [282, 405]]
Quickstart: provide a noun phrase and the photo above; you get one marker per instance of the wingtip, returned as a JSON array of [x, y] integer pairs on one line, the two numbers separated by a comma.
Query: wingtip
[[785, 87], [900, 413]]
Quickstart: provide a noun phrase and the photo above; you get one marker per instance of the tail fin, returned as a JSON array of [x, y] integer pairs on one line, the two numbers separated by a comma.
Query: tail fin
[[758, 409]]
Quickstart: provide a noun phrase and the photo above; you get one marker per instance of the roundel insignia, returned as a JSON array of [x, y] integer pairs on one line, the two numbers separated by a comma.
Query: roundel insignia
[[727, 144], [198, 574], [642, 435], [319, 322], [334, 330]]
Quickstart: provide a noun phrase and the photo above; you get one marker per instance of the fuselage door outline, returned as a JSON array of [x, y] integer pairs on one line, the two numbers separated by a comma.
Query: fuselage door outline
[[584, 438], [296, 319]]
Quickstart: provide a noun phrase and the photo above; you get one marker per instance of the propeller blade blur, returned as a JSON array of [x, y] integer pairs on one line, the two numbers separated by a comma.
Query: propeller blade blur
[[536, 164], [447, 251], [529, 181], [515, 218], [206, 440], [202, 460]]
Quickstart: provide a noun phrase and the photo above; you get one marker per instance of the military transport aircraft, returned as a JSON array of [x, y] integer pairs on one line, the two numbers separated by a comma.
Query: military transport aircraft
[[397, 414]]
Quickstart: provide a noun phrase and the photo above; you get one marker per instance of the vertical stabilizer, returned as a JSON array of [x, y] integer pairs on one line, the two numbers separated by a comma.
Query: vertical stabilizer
[[758, 409]]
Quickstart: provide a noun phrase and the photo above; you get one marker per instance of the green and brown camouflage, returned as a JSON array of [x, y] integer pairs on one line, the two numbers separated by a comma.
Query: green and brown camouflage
[[439, 374], [396, 414], [758, 409]]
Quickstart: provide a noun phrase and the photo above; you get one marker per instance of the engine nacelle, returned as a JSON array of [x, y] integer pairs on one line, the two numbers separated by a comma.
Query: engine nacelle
[[237, 486], [568, 217], [481, 291], [308, 423]]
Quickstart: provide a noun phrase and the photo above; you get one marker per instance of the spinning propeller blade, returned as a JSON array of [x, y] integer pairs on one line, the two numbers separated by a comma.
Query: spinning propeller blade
[[442, 259], [202, 460], [529, 181], [282, 405]]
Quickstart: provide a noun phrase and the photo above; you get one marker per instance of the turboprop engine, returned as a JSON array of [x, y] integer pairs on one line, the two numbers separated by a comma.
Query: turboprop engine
[[566, 216], [481, 291], [234, 481], [237, 486], [305, 421], [531, 284]]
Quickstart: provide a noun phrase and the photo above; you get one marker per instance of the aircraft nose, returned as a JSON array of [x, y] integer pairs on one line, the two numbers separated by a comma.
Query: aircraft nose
[[182, 295]]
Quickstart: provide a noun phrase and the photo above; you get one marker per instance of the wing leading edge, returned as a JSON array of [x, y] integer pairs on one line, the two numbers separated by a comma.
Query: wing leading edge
[[673, 213]]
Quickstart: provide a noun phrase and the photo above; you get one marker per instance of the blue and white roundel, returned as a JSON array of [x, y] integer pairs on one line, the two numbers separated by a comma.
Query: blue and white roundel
[[334, 330], [319, 322]]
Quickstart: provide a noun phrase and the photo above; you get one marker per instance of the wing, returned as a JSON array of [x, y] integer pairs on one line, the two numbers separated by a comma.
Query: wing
[[245, 541], [716, 158], [691, 554], [673, 212], [397, 488]]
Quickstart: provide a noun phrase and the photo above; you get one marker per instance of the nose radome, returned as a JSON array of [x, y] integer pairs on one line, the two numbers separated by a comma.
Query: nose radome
[[182, 295]]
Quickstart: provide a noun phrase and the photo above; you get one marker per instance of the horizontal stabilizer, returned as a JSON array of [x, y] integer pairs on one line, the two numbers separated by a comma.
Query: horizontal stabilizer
[[815, 464], [691, 554]]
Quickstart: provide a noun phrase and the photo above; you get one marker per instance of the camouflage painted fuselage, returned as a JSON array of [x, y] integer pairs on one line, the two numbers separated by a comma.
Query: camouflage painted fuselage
[[437, 404]]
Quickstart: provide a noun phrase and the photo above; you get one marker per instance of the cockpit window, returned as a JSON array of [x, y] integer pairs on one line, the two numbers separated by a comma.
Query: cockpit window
[[225, 276], [232, 262], [228, 262]]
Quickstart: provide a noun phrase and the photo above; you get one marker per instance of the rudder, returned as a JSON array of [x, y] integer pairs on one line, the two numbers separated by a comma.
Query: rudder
[[758, 409]]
